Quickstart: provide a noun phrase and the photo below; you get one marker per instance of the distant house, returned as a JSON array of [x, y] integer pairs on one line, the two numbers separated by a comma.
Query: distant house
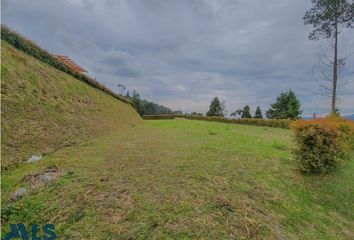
[[70, 63]]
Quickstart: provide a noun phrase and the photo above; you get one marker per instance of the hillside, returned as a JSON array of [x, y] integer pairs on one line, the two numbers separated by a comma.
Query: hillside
[[44, 109]]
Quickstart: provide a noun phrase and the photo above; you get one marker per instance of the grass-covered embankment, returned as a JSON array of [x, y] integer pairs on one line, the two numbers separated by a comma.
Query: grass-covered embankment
[[182, 179], [44, 109], [32, 49]]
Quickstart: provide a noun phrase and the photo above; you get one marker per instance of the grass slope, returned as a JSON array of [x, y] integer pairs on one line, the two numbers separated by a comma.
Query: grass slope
[[182, 179], [43, 108]]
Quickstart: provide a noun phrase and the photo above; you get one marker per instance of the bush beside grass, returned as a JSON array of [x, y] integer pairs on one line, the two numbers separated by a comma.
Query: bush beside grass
[[322, 144], [277, 123]]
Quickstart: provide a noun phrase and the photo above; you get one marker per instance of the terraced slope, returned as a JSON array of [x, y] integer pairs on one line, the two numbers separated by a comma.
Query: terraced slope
[[44, 109]]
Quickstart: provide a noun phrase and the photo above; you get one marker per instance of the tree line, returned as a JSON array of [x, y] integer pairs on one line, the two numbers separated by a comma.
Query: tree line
[[286, 106], [145, 107]]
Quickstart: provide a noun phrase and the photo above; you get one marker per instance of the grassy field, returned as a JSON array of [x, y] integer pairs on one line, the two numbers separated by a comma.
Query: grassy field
[[44, 108], [183, 179]]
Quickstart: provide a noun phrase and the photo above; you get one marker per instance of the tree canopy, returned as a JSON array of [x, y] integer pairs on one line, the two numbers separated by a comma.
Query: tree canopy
[[286, 106], [216, 108], [327, 16], [145, 107], [243, 113], [258, 113]]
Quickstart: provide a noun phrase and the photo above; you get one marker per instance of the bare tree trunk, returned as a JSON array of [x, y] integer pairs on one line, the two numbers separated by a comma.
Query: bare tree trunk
[[335, 70]]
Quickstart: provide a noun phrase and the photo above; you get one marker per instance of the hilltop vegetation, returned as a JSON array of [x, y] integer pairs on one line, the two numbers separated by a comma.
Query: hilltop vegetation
[[44, 109], [145, 107], [32, 49]]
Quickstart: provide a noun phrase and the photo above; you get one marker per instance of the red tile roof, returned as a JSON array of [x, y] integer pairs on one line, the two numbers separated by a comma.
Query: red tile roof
[[70, 63]]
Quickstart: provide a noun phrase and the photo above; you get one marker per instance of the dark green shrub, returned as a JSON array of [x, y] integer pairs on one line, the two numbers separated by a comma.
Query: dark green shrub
[[321, 144]]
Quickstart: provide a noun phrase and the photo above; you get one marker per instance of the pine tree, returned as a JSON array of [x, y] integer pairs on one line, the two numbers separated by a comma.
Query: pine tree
[[246, 112], [258, 113], [216, 108], [286, 106], [328, 17], [243, 113]]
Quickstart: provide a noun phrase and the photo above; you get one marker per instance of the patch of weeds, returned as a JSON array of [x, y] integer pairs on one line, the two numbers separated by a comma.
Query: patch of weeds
[[279, 146], [76, 215], [224, 203], [211, 132], [7, 210], [24, 210], [65, 179]]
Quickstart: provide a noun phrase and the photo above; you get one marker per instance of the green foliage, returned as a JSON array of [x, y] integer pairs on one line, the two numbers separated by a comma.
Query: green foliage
[[243, 113], [279, 145], [327, 15], [32, 49], [216, 108], [144, 107], [258, 113], [322, 144], [286, 106], [246, 112]]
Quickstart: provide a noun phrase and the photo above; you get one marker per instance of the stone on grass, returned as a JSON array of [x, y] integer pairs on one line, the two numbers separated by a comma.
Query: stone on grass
[[18, 194], [34, 158]]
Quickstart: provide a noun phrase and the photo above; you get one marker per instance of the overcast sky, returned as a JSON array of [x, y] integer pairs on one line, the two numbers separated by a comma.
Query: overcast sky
[[183, 53]]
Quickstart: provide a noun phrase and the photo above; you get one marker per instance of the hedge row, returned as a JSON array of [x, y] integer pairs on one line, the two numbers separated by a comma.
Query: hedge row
[[283, 123], [34, 50], [322, 144]]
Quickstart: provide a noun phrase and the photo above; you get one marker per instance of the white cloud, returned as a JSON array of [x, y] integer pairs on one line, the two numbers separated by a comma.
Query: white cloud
[[183, 53]]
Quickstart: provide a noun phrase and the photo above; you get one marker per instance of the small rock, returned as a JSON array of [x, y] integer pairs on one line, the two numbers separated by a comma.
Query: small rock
[[19, 194], [47, 178], [34, 158]]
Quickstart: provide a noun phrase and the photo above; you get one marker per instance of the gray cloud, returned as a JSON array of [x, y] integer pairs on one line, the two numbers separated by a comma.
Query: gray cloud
[[183, 53]]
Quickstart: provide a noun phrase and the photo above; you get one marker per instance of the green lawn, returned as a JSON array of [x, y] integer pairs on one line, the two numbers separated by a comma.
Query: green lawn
[[183, 179]]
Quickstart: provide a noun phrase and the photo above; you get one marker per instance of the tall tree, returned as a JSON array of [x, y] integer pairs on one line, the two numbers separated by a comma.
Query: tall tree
[[258, 113], [216, 108], [246, 112], [145, 107], [328, 17], [243, 113], [286, 106]]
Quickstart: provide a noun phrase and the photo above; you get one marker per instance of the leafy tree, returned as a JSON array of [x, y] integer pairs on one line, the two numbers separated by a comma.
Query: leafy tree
[[328, 17], [286, 106], [258, 113], [197, 114], [216, 108], [238, 112], [144, 107], [244, 113]]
